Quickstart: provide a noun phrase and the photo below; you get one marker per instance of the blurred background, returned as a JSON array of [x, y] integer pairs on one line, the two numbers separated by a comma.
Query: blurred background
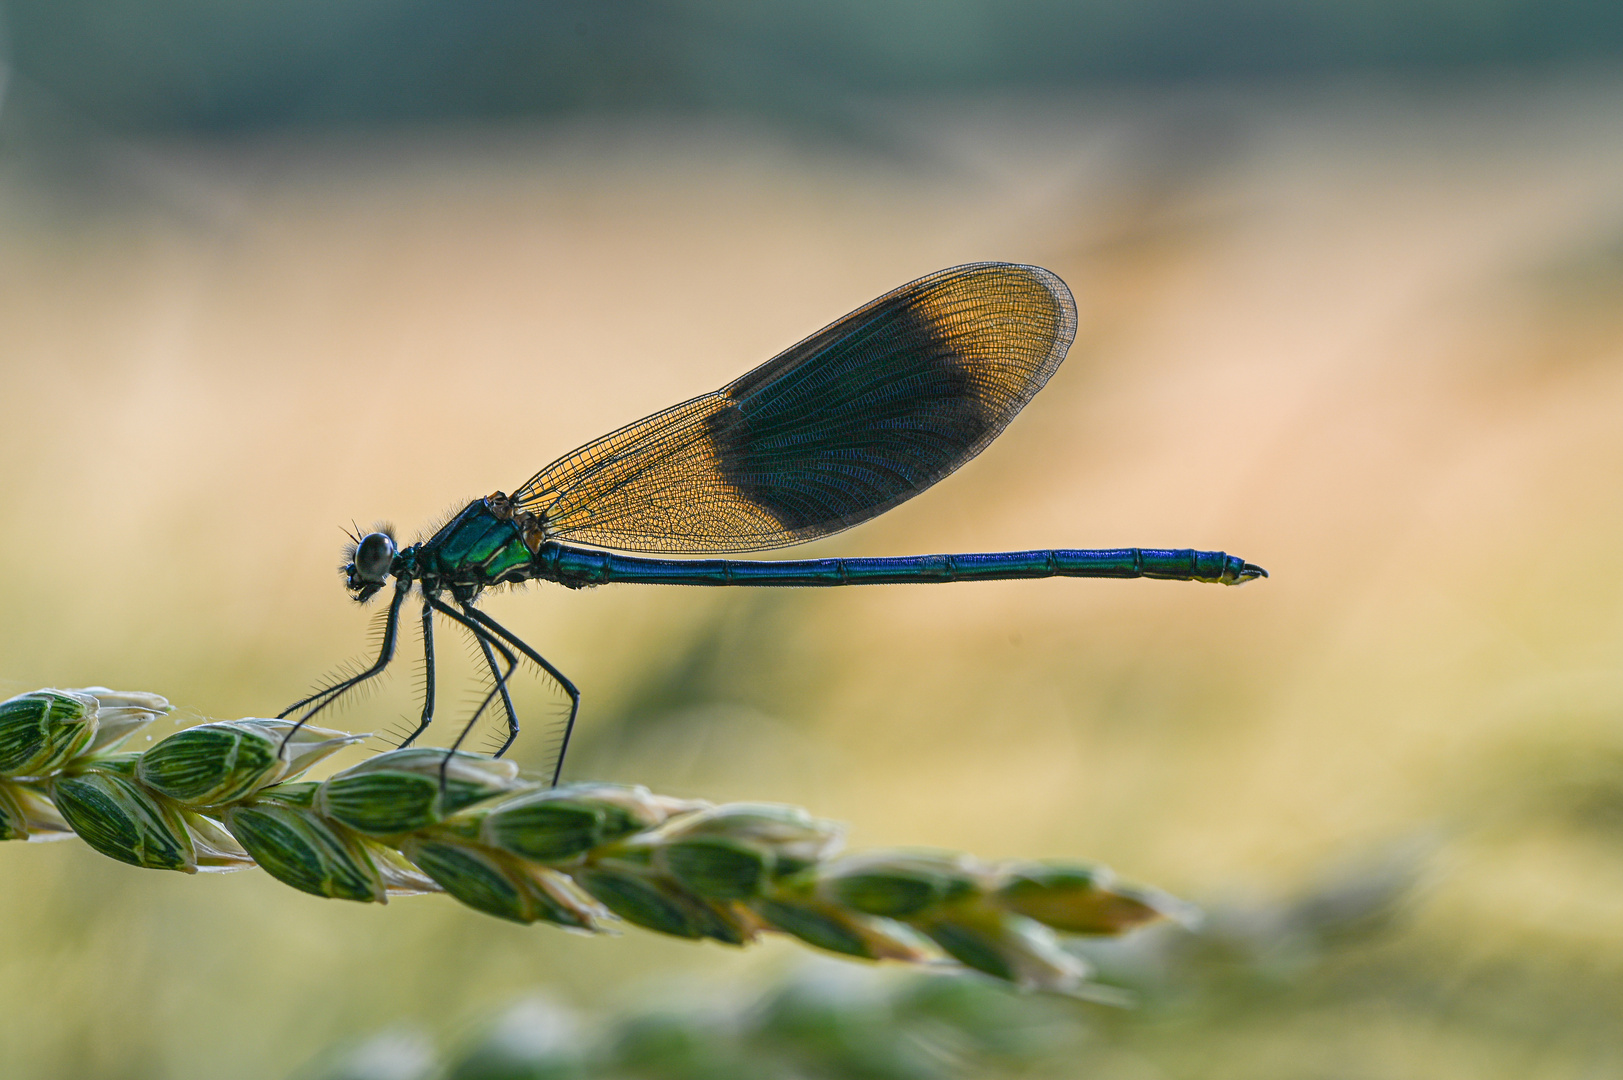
[[1350, 279]]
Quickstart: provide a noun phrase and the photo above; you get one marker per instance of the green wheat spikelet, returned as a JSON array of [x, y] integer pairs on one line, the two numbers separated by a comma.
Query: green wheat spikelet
[[226, 796]]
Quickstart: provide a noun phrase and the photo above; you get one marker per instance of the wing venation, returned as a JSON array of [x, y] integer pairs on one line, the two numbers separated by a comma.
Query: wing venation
[[859, 417]]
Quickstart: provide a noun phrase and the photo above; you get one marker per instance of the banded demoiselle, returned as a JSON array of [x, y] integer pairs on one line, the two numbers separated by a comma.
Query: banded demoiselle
[[859, 417]]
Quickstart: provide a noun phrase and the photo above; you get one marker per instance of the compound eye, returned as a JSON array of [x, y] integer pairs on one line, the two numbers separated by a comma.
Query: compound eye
[[373, 557]]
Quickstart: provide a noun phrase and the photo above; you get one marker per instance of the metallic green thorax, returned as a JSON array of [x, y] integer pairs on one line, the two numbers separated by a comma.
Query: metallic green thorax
[[477, 548]]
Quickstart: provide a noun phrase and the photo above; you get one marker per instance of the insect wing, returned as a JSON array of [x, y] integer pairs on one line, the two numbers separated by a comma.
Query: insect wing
[[857, 418]]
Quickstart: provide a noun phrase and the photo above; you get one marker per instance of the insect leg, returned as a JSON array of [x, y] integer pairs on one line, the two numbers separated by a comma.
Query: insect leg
[[323, 698], [569, 688], [428, 675], [485, 642]]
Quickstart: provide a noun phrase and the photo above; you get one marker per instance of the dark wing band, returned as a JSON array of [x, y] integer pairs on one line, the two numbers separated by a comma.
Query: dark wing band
[[859, 417]]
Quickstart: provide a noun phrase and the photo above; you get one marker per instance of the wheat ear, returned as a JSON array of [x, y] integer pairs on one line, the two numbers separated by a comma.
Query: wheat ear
[[225, 796]]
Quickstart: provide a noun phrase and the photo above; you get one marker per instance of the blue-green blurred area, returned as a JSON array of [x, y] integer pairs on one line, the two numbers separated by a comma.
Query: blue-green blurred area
[[157, 65], [270, 270]]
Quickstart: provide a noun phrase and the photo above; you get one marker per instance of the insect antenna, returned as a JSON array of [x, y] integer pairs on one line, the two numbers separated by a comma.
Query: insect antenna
[[353, 538]]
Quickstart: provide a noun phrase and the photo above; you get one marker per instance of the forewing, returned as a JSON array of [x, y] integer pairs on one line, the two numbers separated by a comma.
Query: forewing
[[859, 417]]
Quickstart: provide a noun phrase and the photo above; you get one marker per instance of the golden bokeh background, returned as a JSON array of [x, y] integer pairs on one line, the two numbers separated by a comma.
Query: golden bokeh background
[[1369, 336]]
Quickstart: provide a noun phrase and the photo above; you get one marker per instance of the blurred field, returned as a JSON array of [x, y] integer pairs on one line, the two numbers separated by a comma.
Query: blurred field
[[1370, 338]]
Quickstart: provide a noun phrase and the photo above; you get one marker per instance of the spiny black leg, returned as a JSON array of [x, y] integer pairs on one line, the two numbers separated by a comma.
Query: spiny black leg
[[569, 687], [490, 695], [428, 676], [500, 678], [323, 698], [501, 682], [478, 622], [485, 642]]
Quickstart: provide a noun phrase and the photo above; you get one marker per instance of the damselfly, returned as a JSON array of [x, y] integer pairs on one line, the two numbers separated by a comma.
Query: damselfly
[[859, 417]]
